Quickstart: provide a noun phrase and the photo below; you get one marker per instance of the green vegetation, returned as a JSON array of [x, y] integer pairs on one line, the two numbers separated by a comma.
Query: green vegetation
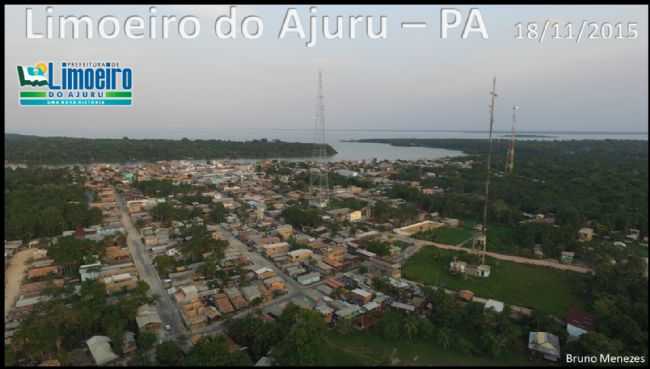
[[168, 354], [166, 212], [213, 351], [161, 188], [165, 264], [603, 181], [295, 244], [564, 177], [618, 299], [70, 253], [378, 247], [42, 202], [350, 203], [445, 336], [300, 216], [201, 243], [383, 212], [447, 235], [218, 213], [335, 179], [56, 327], [66, 150], [549, 290]]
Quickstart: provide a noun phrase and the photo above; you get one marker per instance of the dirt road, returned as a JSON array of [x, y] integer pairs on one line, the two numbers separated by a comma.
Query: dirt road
[[14, 277], [516, 259]]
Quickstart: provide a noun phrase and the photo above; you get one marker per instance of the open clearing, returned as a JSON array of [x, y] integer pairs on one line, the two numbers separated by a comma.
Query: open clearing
[[14, 277], [545, 289], [362, 348]]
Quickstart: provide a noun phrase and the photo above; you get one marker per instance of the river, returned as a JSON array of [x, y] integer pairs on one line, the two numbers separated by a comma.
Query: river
[[367, 151]]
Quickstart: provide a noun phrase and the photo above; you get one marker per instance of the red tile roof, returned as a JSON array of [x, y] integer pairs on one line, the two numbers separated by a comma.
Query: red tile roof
[[579, 319]]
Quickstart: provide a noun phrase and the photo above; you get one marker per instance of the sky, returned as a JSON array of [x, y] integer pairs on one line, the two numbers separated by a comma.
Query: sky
[[412, 80]]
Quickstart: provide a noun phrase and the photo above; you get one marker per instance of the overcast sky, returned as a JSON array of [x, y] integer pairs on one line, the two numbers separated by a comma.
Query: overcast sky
[[412, 80]]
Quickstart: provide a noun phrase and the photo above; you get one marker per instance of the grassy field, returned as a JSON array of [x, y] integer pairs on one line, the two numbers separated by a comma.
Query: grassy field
[[500, 238], [548, 290], [363, 348], [449, 236]]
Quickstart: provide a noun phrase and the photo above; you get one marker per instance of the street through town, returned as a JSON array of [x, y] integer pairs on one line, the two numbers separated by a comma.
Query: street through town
[[167, 309]]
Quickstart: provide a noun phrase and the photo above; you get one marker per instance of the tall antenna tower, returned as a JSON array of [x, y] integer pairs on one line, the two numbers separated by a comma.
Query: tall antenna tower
[[510, 159], [481, 242], [319, 179]]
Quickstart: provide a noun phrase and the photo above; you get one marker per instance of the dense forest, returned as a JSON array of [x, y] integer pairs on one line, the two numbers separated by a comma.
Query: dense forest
[[602, 182], [45, 202], [69, 150]]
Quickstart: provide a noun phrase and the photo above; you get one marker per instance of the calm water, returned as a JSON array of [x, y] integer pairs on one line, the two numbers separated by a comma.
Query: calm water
[[368, 151]]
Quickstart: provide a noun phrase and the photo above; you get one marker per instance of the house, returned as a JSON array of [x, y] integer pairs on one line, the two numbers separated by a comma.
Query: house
[[116, 255], [223, 304], [120, 282], [578, 323], [36, 288], [128, 343], [359, 296], [264, 273], [276, 249], [494, 305], [100, 349], [267, 295], [333, 283], [451, 222], [462, 267], [148, 319], [379, 266], [309, 278], [348, 311], [466, 295], [42, 271], [355, 216], [186, 294], [90, 271], [194, 314], [285, 231], [295, 270], [585, 234], [274, 283], [633, 234], [334, 255], [404, 307], [324, 310], [300, 255], [546, 344], [235, 297], [412, 229], [566, 257], [251, 293]]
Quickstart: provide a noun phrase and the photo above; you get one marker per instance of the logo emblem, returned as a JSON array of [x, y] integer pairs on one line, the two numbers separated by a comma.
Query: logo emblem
[[75, 84]]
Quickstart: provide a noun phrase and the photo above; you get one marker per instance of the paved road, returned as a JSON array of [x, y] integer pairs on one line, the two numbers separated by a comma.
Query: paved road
[[294, 289], [167, 309]]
